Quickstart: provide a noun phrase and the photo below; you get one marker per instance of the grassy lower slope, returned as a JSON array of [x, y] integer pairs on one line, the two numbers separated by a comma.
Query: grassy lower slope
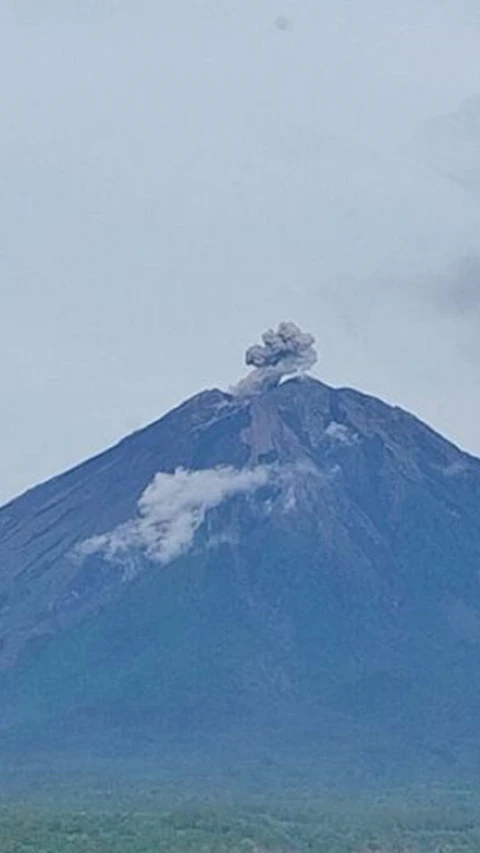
[[445, 823]]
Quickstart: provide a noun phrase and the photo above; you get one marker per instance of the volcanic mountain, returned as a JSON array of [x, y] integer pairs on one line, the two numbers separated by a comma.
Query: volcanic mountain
[[291, 572]]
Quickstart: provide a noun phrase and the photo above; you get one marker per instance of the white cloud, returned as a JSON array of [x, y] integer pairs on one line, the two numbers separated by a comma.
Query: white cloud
[[170, 511], [456, 469], [341, 433]]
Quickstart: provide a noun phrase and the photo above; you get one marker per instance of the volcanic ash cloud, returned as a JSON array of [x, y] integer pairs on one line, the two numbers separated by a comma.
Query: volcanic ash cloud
[[284, 352]]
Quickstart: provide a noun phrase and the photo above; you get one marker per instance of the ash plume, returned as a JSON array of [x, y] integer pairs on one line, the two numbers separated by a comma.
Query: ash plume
[[284, 352]]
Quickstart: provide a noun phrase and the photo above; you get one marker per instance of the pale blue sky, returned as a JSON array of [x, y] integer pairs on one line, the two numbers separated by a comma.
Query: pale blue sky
[[178, 176]]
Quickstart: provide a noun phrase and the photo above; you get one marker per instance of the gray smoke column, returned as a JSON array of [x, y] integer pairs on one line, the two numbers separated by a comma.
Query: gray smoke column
[[283, 353]]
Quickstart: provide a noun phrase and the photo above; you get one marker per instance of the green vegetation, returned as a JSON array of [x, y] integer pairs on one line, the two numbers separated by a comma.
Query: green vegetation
[[408, 824]]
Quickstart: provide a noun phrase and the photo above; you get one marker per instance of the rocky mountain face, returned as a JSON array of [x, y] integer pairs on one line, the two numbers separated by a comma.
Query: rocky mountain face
[[295, 571]]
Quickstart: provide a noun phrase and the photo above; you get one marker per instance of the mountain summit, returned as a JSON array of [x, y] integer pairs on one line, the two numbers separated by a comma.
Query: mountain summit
[[290, 567]]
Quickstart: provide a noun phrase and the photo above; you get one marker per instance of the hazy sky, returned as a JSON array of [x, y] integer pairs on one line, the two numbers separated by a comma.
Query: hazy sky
[[178, 176]]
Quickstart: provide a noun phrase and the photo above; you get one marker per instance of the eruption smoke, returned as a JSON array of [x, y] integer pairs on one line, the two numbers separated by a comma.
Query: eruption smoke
[[284, 352], [171, 510]]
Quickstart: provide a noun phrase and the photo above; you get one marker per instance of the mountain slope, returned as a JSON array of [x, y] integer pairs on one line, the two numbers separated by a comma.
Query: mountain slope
[[320, 586]]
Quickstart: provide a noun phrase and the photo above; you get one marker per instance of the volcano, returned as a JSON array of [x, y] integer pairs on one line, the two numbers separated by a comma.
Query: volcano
[[291, 575]]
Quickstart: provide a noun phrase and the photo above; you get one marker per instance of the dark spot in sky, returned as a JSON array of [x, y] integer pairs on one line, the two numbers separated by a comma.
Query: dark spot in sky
[[283, 23]]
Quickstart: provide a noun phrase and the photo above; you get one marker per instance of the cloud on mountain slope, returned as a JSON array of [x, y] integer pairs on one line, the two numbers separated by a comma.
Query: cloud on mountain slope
[[170, 511]]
